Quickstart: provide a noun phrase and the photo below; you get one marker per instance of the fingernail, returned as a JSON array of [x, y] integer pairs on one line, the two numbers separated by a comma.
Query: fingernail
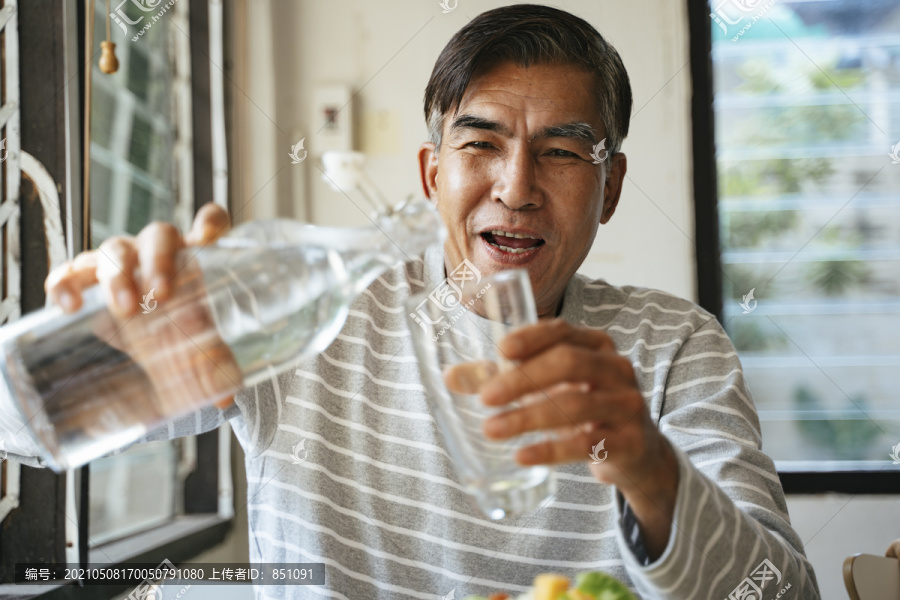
[[67, 301], [207, 232], [161, 285], [513, 345], [486, 393], [123, 299], [495, 427], [527, 456]]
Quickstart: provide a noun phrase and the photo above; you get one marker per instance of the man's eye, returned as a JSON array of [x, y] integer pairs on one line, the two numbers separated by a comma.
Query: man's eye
[[478, 145], [563, 153]]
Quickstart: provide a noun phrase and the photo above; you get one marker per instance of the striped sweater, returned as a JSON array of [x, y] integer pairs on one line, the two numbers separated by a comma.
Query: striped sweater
[[377, 499]]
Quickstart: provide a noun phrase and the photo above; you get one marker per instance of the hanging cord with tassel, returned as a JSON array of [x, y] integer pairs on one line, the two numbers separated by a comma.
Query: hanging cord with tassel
[[108, 61]]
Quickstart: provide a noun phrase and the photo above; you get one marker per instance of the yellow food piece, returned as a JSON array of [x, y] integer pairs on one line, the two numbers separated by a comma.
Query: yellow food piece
[[575, 594], [549, 585]]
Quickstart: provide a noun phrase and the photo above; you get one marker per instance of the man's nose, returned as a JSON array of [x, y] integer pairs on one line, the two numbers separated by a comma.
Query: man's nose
[[516, 184]]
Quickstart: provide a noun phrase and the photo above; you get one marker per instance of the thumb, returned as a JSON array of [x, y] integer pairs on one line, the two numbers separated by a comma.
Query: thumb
[[225, 402], [212, 221]]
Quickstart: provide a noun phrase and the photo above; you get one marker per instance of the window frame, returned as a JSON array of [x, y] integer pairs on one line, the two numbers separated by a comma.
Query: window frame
[[708, 249], [36, 530]]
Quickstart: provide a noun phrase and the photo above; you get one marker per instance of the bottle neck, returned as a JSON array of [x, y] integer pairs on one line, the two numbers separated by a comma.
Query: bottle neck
[[365, 267], [395, 238]]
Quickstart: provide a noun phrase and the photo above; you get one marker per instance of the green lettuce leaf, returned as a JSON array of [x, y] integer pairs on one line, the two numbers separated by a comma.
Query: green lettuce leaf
[[602, 586]]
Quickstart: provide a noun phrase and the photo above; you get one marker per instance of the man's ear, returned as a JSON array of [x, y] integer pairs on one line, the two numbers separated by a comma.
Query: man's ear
[[428, 169], [613, 187]]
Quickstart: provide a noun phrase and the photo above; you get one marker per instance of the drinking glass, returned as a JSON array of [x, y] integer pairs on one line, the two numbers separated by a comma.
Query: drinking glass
[[456, 329]]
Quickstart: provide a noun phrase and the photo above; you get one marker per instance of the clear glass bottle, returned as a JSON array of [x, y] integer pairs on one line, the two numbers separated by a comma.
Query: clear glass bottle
[[242, 310]]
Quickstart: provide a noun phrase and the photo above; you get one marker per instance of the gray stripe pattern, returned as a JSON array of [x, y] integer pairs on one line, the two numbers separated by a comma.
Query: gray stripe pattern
[[378, 501]]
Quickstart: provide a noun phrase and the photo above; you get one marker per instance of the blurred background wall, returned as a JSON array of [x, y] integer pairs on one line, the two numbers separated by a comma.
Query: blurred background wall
[[385, 51]]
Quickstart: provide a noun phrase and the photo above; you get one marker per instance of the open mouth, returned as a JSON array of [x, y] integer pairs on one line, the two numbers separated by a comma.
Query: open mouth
[[514, 243]]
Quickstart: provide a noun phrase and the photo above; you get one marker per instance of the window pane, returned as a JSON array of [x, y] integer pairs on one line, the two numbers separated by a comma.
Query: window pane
[[807, 108], [132, 491], [132, 183], [141, 147], [139, 208], [133, 132]]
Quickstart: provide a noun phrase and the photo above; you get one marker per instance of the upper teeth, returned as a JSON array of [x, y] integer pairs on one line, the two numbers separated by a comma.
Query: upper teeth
[[513, 235]]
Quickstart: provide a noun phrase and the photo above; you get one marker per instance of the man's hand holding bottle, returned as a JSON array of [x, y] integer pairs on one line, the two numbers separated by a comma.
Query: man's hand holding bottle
[[186, 358]]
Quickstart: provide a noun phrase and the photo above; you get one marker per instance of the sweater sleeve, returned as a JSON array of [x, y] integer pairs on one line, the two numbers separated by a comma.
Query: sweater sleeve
[[254, 414], [731, 534]]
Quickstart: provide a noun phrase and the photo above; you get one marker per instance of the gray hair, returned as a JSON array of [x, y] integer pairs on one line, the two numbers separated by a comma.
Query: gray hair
[[528, 34]]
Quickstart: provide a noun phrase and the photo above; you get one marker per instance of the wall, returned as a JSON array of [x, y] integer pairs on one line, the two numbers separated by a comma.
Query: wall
[[385, 51], [835, 526]]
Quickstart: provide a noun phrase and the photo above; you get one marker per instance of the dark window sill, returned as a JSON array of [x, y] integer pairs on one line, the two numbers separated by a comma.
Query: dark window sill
[[863, 477], [178, 541]]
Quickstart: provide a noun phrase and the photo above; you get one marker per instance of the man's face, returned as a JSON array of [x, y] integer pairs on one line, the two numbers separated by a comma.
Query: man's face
[[514, 180]]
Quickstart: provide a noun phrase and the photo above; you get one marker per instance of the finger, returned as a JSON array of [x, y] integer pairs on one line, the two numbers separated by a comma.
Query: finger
[[212, 221], [570, 430], [192, 371], [158, 245], [225, 402], [534, 339], [605, 370], [566, 409], [65, 283], [894, 550], [573, 448], [116, 261], [467, 378], [216, 370]]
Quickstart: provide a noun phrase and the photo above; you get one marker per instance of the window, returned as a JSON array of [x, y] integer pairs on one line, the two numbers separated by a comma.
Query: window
[[133, 130], [174, 512], [806, 104], [137, 136]]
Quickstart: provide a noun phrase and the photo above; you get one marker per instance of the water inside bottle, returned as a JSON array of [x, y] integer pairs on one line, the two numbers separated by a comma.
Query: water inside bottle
[[89, 385], [71, 408]]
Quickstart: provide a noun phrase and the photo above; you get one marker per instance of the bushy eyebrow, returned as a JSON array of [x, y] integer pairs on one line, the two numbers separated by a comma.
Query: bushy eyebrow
[[473, 122], [577, 129]]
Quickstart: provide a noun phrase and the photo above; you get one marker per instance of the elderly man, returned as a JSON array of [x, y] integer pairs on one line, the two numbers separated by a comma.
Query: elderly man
[[686, 506]]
